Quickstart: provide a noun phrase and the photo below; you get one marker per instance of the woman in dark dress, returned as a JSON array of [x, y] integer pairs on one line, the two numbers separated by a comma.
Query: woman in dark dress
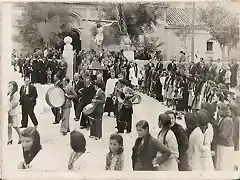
[[182, 104], [144, 156], [158, 87]]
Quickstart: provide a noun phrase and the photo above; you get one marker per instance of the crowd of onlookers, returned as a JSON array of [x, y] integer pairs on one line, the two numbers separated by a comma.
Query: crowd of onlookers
[[198, 92]]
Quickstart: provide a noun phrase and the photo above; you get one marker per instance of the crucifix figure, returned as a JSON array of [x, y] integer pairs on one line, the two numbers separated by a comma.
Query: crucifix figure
[[100, 28]]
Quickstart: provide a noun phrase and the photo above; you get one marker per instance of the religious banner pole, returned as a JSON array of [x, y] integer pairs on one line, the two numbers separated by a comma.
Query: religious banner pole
[[193, 31]]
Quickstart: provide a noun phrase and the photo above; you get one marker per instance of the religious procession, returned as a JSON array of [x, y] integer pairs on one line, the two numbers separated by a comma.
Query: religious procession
[[109, 110]]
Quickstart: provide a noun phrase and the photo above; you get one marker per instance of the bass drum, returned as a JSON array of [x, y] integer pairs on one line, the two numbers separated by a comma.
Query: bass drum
[[89, 109], [55, 97], [136, 99]]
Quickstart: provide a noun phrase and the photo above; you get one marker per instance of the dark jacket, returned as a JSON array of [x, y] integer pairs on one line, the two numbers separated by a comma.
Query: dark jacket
[[53, 65], [77, 87], [99, 109], [172, 67], [88, 95], [182, 140], [148, 152], [29, 99], [225, 132], [159, 66]]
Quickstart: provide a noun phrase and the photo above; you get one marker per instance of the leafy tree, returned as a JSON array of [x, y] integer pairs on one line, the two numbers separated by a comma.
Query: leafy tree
[[148, 45], [222, 25], [139, 18], [42, 24]]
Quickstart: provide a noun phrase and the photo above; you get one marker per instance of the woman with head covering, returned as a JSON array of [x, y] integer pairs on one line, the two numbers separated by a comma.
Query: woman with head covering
[[13, 110], [195, 142], [78, 144], [144, 156], [167, 137], [31, 145], [207, 129], [225, 146]]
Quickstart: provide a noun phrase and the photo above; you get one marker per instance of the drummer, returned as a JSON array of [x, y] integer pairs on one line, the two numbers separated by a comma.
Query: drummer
[[69, 94], [125, 110], [57, 111]]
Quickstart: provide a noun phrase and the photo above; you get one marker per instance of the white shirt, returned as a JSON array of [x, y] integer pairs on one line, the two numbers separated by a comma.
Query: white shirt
[[27, 89], [45, 53], [110, 85]]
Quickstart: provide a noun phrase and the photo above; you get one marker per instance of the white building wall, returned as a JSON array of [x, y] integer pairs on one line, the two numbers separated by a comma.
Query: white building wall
[[174, 45]]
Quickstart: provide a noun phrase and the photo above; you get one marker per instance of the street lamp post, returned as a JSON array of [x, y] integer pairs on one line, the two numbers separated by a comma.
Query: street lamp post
[[193, 31]]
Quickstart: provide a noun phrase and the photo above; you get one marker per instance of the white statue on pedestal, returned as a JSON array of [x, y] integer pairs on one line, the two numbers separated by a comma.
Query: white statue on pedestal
[[128, 50], [68, 55]]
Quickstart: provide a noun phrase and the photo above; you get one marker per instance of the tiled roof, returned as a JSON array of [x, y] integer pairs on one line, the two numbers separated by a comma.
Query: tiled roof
[[181, 17]]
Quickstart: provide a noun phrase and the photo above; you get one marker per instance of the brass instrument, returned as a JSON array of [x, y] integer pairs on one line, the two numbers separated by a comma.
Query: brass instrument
[[114, 98]]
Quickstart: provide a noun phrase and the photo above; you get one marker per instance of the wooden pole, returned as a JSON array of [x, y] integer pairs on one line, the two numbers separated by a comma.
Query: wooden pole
[[193, 31]]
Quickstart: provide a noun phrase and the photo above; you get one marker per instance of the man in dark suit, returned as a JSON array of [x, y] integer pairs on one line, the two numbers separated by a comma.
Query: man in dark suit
[[159, 66], [53, 65], [192, 68], [88, 94], [28, 96], [62, 68], [78, 85], [57, 111], [172, 67]]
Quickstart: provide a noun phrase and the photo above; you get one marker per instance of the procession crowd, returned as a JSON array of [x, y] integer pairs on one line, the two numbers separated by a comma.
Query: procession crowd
[[198, 93]]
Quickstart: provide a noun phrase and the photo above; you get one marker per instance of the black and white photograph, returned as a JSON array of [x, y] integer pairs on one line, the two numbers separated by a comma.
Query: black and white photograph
[[103, 87]]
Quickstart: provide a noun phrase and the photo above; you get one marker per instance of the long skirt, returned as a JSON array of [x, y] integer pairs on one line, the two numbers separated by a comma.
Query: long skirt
[[124, 120], [207, 161], [96, 127], [110, 106], [224, 158]]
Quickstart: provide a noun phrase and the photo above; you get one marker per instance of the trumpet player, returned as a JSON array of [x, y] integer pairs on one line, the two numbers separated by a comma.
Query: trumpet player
[[110, 105]]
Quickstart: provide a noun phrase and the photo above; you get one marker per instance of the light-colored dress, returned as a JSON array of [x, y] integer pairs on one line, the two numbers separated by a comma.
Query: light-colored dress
[[132, 77], [227, 76], [194, 151], [14, 110], [171, 142], [207, 162]]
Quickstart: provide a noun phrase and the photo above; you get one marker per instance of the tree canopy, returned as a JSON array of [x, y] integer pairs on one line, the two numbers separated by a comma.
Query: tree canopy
[[221, 24], [139, 18], [43, 24]]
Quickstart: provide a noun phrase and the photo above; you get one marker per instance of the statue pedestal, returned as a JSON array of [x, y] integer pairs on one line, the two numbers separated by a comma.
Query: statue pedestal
[[68, 55], [129, 55], [128, 52]]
